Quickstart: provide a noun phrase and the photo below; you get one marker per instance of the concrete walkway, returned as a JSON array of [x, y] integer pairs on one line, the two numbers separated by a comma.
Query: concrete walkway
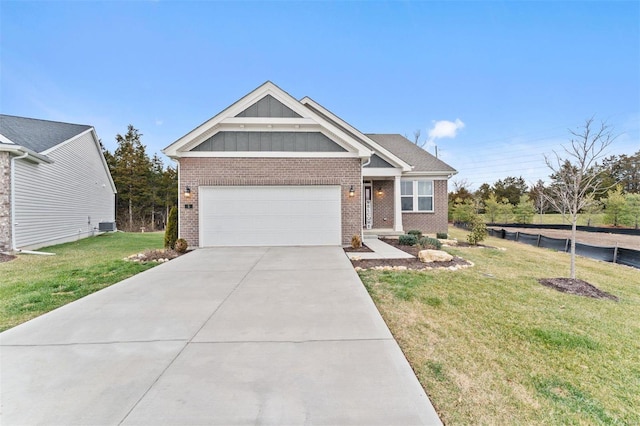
[[381, 250], [218, 336]]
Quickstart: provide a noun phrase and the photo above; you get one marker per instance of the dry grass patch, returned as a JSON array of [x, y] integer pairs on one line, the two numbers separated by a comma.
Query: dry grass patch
[[492, 346]]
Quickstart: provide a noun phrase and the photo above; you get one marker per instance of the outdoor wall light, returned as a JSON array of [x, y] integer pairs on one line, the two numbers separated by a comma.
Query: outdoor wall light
[[352, 191], [380, 191], [187, 192]]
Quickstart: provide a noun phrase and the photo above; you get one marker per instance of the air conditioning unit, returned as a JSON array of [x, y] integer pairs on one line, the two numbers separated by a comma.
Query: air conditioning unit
[[107, 226]]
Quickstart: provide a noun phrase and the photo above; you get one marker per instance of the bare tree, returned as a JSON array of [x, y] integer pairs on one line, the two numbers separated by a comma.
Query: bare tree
[[416, 138], [574, 175]]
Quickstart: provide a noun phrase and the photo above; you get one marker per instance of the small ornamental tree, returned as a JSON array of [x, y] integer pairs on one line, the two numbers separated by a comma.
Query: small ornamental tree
[[171, 233], [478, 231], [575, 176]]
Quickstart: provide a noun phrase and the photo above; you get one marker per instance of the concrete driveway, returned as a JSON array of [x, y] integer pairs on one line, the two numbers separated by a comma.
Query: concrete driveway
[[218, 336]]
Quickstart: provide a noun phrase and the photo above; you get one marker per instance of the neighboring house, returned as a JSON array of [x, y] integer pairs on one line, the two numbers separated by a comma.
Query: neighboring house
[[55, 185], [271, 170]]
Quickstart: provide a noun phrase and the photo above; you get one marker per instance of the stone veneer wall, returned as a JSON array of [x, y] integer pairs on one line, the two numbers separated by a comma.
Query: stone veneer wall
[[212, 171], [430, 222], [5, 201]]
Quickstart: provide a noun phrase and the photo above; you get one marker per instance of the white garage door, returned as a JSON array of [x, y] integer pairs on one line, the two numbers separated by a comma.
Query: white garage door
[[269, 215]]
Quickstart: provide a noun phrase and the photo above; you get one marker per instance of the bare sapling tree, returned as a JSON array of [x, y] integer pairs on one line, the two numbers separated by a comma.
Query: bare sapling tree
[[575, 178]]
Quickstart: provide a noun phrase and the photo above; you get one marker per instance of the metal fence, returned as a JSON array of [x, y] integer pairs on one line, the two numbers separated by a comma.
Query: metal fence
[[622, 256]]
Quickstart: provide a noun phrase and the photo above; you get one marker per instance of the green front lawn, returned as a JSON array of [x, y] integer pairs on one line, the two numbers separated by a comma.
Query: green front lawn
[[492, 346], [32, 285]]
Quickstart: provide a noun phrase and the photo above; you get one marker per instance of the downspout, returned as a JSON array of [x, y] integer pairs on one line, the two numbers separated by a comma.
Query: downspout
[[13, 209]]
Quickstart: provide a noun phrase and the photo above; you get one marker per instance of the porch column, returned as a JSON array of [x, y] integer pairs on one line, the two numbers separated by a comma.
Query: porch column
[[397, 206]]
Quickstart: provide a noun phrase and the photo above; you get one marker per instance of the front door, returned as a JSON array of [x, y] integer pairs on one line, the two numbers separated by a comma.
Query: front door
[[368, 205]]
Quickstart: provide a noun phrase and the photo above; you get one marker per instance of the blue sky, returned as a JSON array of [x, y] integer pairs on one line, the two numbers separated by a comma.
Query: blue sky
[[513, 75]]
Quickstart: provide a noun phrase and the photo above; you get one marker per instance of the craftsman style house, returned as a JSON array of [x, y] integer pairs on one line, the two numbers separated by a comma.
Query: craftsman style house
[[273, 170]]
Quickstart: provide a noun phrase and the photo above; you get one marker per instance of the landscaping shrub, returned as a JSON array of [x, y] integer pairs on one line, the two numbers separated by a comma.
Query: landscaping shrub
[[407, 240], [428, 243], [415, 232], [477, 231], [356, 241], [171, 233], [442, 235], [181, 245]]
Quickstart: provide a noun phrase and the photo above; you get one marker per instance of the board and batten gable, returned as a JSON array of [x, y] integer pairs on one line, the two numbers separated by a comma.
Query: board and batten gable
[[65, 200]]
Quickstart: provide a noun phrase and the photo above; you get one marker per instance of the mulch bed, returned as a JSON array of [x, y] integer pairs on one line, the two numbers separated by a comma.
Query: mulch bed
[[413, 250], [579, 287], [6, 257], [414, 263], [362, 249]]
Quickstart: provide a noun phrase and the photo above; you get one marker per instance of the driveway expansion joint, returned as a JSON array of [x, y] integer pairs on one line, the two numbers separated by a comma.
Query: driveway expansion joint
[[115, 342], [225, 342]]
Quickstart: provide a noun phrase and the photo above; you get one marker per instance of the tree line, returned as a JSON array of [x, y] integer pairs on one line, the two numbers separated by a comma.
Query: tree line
[[147, 190], [513, 200]]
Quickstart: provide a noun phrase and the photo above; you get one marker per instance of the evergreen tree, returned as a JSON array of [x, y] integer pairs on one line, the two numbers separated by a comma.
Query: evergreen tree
[[614, 206], [131, 172], [491, 208], [631, 210], [525, 209]]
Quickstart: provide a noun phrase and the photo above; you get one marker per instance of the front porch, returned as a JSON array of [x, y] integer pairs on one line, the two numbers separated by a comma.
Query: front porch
[[380, 232], [381, 206]]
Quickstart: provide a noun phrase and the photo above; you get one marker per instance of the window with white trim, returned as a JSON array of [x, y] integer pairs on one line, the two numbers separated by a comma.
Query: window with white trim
[[416, 195]]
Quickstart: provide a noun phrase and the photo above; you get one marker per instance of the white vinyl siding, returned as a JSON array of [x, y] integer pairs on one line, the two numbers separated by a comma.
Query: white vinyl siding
[[416, 195], [64, 200], [270, 215]]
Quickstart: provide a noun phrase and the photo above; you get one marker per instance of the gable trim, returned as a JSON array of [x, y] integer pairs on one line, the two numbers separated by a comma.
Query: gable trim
[[378, 149], [228, 118]]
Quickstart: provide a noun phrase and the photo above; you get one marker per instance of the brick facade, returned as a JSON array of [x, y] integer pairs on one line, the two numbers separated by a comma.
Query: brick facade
[[430, 222], [5, 201], [383, 204], [216, 171]]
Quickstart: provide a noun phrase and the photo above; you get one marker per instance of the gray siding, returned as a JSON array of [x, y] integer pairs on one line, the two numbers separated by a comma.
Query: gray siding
[[269, 141], [376, 161], [65, 200], [268, 107]]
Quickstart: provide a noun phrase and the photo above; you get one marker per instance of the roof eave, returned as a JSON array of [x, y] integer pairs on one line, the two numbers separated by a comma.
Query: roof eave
[[32, 156]]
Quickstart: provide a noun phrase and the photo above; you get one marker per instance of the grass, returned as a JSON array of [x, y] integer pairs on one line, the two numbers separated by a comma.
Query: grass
[[556, 219], [32, 285], [492, 346]]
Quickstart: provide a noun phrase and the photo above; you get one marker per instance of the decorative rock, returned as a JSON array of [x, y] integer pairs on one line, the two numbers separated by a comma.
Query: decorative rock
[[428, 256]]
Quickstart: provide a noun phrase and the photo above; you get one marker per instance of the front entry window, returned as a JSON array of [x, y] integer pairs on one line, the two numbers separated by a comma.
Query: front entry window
[[416, 195], [406, 195]]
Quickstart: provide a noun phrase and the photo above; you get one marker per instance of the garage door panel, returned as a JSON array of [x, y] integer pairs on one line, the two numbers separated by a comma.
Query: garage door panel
[[270, 215]]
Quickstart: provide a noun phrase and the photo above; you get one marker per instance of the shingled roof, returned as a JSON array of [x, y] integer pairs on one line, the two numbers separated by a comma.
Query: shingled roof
[[409, 152], [38, 135]]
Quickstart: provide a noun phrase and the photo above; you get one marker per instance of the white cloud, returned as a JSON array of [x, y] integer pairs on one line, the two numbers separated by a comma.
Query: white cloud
[[444, 129], [158, 122]]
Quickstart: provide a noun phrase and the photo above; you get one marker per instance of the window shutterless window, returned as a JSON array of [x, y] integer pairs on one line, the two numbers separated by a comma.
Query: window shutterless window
[[406, 195], [416, 195]]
